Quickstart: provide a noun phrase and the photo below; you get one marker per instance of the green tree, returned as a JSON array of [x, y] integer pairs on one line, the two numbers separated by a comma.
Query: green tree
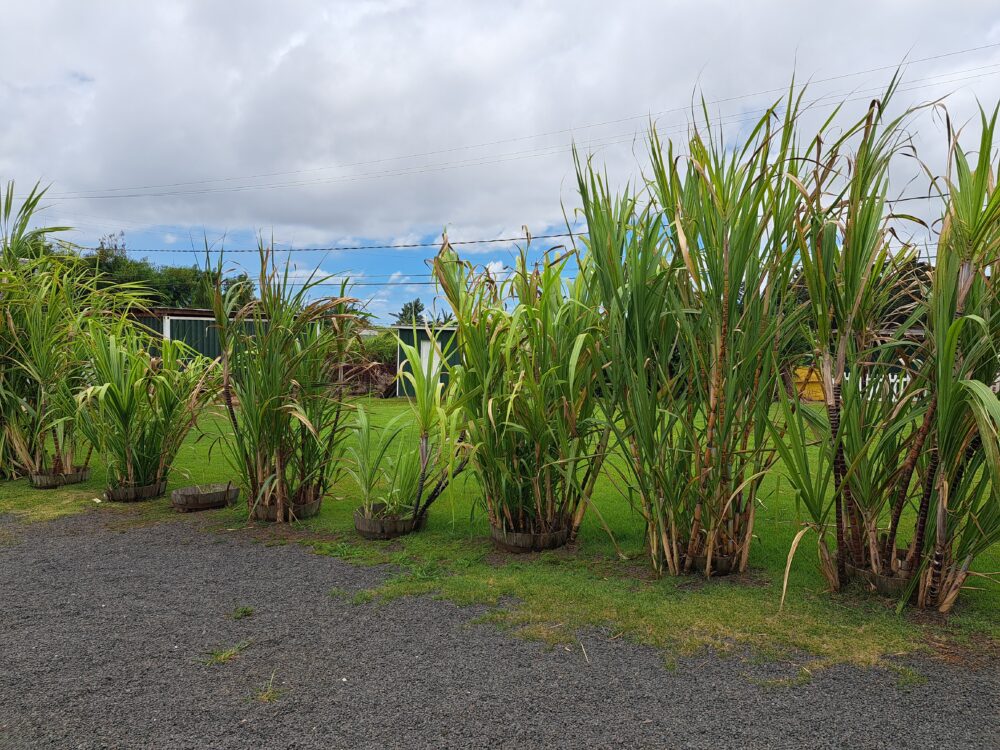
[[411, 312], [171, 286]]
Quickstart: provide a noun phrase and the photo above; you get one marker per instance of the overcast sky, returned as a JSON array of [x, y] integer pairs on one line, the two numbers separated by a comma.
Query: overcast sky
[[356, 123]]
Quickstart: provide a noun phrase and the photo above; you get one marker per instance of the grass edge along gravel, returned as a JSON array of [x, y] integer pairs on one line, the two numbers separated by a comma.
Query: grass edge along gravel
[[554, 596]]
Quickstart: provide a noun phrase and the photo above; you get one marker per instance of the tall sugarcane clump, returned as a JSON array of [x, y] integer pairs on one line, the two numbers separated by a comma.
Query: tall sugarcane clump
[[25, 416], [525, 389], [286, 359], [693, 287], [48, 304], [902, 494]]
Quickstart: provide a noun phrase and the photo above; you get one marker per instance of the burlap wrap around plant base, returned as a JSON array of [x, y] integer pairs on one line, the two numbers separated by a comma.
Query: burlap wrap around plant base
[[133, 494], [298, 512], [385, 527], [52, 481], [515, 541], [204, 497]]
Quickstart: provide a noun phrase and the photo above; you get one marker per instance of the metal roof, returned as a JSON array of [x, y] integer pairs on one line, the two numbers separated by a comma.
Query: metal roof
[[176, 312]]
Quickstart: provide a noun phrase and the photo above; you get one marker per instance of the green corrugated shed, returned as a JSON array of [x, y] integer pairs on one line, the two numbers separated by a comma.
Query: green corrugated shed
[[445, 336], [151, 322], [201, 335], [196, 328]]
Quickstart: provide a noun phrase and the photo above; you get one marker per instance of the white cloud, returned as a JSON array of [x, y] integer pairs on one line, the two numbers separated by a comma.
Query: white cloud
[[335, 92], [304, 272], [349, 123]]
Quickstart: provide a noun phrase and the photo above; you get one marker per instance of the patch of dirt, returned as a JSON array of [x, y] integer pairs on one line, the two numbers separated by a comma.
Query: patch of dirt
[[609, 567], [497, 559], [982, 652], [752, 578]]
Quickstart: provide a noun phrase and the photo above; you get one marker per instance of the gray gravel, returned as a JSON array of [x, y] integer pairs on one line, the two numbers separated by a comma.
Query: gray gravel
[[103, 635]]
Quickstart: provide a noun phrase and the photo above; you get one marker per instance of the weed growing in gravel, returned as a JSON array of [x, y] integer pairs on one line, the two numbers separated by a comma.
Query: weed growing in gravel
[[803, 677], [907, 677], [268, 693], [223, 656], [353, 552], [363, 597], [426, 571], [240, 612]]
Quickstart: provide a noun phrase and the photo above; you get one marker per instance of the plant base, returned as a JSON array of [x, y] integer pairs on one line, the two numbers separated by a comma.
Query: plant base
[[51, 481], [890, 586], [134, 494], [722, 565], [204, 497], [385, 527], [518, 542], [296, 512]]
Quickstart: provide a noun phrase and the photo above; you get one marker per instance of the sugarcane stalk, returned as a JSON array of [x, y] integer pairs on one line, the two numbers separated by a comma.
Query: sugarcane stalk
[[937, 561], [903, 483], [954, 586], [839, 469], [917, 544], [57, 458]]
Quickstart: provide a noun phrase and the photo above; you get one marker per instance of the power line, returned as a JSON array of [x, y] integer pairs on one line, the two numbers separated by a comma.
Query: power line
[[630, 136], [735, 118], [380, 283], [561, 131], [393, 283], [345, 248], [423, 245], [486, 160], [407, 280]]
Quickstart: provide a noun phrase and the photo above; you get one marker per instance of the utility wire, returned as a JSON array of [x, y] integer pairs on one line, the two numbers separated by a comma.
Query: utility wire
[[561, 131], [488, 160], [344, 248], [419, 245], [630, 136], [549, 150]]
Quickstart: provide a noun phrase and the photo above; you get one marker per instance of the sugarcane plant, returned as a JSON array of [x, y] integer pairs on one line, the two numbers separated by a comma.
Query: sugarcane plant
[[693, 286], [910, 420], [525, 385], [440, 453], [401, 470], [379, 476], [285, 362], [634, 287], [961, 484], [142, 403], [53, 302], [49, 355], [859, 342], [22, 246]]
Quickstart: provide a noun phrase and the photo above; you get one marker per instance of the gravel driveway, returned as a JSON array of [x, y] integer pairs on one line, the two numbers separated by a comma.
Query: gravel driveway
[[104, 636]]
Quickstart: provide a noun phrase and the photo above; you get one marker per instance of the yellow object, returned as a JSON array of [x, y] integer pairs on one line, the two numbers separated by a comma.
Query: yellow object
[[808, 384]]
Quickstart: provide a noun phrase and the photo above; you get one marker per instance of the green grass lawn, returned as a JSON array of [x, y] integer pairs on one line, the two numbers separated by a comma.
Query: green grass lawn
[[553, 595]]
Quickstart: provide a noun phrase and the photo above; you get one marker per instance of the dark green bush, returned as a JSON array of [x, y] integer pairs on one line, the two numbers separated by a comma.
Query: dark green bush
[[380, 348]]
